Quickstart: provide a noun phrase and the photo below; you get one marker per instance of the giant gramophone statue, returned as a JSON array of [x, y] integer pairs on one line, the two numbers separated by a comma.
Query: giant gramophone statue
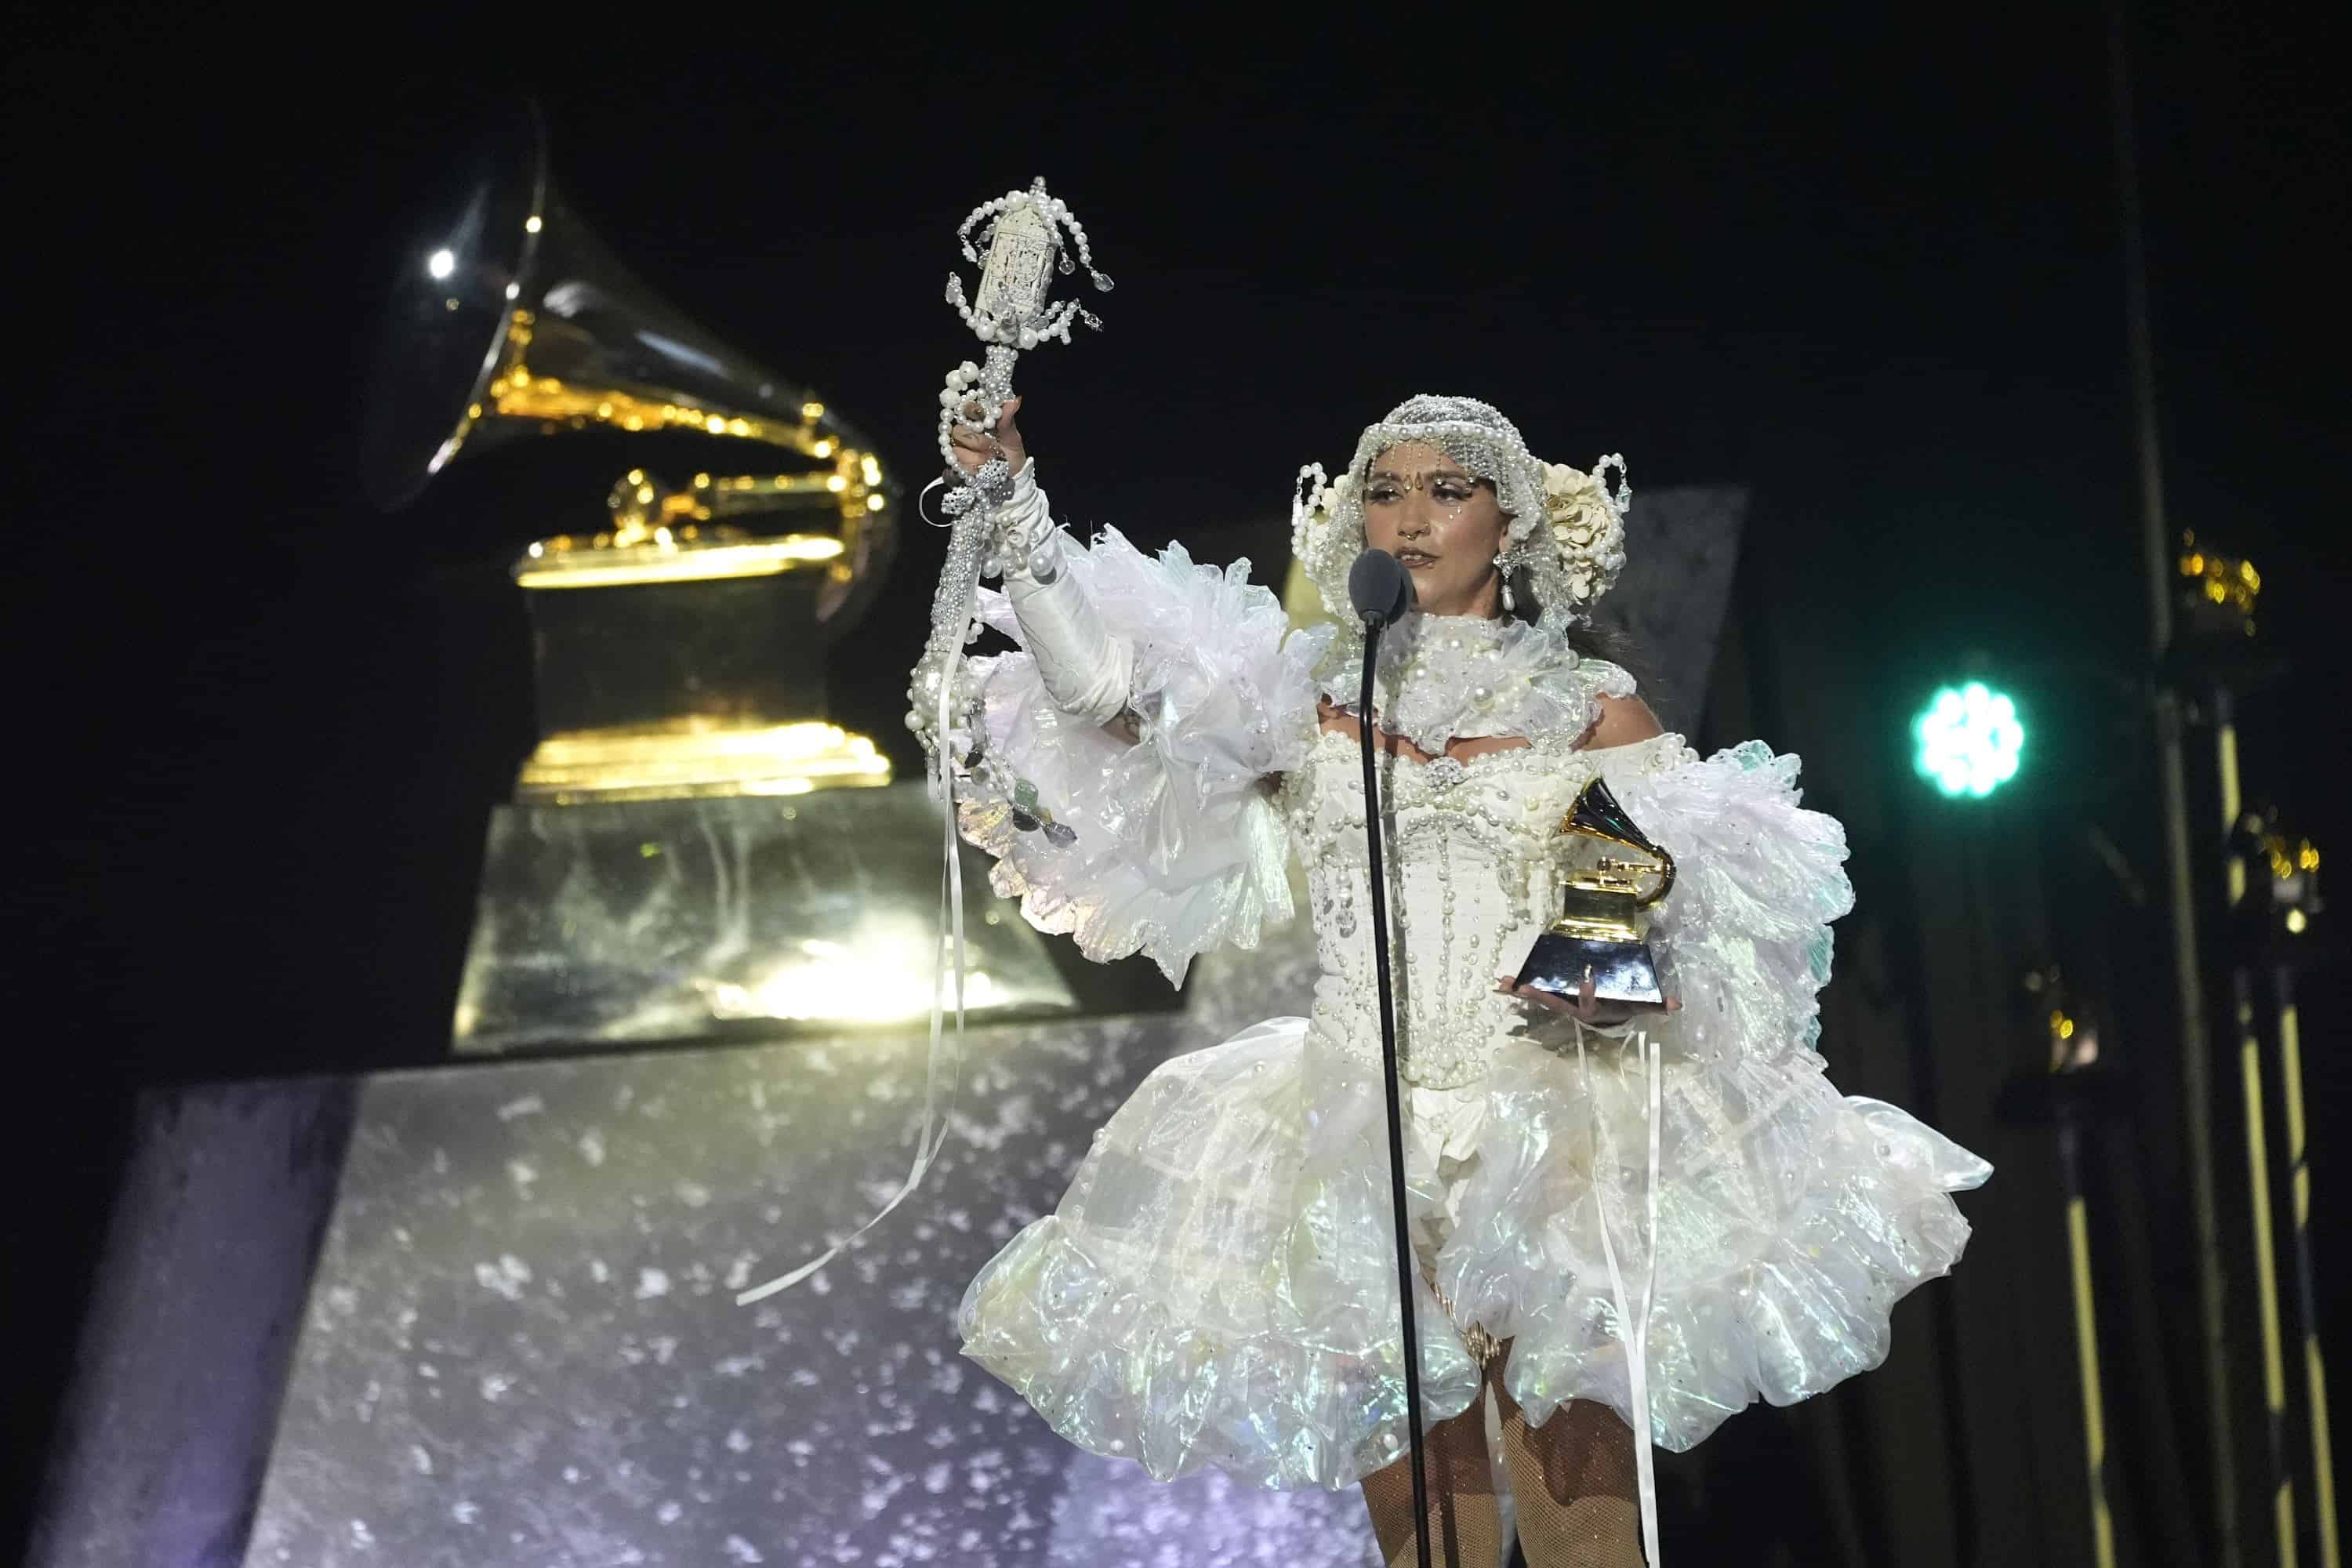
[[679, 640], [680, 857], [1604, 927]]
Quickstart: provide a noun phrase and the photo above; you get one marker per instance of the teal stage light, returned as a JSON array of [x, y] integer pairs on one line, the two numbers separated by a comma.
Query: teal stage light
[[1969, 740]]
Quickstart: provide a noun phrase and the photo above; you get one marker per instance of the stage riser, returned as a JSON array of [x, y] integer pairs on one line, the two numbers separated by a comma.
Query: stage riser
[[522, 1343]]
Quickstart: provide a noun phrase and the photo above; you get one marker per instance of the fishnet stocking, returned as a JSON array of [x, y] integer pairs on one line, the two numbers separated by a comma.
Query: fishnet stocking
[[1465, 1518], [1573, 1479]]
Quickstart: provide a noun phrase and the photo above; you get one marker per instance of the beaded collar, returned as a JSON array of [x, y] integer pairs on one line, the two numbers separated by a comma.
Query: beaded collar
[[1449, 677]]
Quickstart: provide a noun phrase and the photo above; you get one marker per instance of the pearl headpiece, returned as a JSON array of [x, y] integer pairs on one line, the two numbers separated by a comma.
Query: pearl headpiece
[[1566, 533]]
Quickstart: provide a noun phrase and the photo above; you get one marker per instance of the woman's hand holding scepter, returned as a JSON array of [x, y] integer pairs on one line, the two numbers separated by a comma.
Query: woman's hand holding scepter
[[973, 445], [1024, 232]]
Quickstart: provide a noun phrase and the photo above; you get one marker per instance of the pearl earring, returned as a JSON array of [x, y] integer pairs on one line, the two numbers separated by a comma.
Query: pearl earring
[[1502, 569]]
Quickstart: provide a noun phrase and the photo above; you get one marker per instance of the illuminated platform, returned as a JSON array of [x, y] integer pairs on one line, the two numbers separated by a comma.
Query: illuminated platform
[[519, 1342], [729, 918]]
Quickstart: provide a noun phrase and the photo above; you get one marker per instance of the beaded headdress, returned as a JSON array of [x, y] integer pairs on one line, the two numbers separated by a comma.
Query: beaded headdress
[[1564, 543]]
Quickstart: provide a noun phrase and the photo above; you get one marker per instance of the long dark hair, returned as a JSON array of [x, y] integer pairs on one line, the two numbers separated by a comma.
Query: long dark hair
[[1589, 639], [1609, 643]]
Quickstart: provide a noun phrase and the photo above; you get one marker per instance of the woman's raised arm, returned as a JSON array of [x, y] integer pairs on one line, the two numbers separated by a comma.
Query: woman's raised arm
[[1131, 737]]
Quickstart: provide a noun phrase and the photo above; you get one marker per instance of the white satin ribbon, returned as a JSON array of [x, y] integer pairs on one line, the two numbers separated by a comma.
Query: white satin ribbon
[[1637, 1364], [935, 1125]]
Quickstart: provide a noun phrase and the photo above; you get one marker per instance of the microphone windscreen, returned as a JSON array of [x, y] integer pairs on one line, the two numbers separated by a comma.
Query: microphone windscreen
[[1380, 586]]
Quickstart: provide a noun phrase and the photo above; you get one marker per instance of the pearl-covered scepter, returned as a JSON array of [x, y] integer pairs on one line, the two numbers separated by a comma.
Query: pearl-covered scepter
[[1025, 232]]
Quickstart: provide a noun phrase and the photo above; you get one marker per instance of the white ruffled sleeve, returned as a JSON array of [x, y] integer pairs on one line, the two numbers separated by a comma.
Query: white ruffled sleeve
[[1173, 845], [1758, 880]]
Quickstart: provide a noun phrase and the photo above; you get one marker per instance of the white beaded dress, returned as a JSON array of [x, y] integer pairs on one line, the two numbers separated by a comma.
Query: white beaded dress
[[1218, 1285]]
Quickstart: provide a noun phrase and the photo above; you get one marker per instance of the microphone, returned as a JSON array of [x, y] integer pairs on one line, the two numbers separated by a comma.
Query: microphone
[[1379, 587], [1381, 590]]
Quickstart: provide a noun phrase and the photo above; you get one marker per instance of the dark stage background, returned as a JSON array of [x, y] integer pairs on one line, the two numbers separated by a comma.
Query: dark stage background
[[1869, 268]]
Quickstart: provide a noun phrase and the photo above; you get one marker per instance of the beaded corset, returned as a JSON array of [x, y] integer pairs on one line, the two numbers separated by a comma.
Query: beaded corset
[[1474, 859]]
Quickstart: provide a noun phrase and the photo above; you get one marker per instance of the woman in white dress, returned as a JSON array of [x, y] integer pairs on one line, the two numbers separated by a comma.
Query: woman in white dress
[[1624, 1225]]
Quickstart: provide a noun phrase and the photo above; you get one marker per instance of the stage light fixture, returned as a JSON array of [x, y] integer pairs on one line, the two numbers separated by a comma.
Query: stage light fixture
[[1969, 740]]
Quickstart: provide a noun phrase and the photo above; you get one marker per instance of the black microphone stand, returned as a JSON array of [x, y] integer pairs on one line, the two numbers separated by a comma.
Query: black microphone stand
[[1372, 624]]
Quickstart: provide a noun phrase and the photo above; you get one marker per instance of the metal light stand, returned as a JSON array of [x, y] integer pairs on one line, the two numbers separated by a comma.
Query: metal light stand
[[2213, 659], [2315, 1370], [2188, 973], [2258, 1197], [2277, 936], [2076, 1091]]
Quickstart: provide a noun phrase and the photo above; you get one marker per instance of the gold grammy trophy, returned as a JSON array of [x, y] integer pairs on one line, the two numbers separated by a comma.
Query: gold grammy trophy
[[679, 642], [679, 861], [1604, 927]]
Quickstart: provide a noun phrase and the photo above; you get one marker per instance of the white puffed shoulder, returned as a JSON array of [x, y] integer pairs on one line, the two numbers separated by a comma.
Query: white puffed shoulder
[[1171, 846]]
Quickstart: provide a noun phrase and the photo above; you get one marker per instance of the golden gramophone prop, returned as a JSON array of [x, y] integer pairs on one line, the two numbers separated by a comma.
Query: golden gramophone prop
[[677, 862], [678, 640], [1604, 927]]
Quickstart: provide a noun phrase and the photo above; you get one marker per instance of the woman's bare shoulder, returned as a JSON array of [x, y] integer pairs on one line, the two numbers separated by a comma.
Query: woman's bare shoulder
[[1623, 722]]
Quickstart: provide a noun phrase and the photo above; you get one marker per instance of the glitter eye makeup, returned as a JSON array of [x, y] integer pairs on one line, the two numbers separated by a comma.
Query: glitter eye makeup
[[1387, 489]]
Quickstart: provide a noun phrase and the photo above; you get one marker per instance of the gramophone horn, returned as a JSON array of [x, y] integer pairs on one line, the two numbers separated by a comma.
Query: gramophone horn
[[507, 317], [679, 642]]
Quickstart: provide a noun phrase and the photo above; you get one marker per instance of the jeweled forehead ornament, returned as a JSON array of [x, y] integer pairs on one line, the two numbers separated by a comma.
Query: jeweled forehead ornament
[[1566, 536]]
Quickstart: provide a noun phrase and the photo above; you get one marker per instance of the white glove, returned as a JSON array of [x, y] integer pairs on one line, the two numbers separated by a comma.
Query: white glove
[[1085, 671]]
